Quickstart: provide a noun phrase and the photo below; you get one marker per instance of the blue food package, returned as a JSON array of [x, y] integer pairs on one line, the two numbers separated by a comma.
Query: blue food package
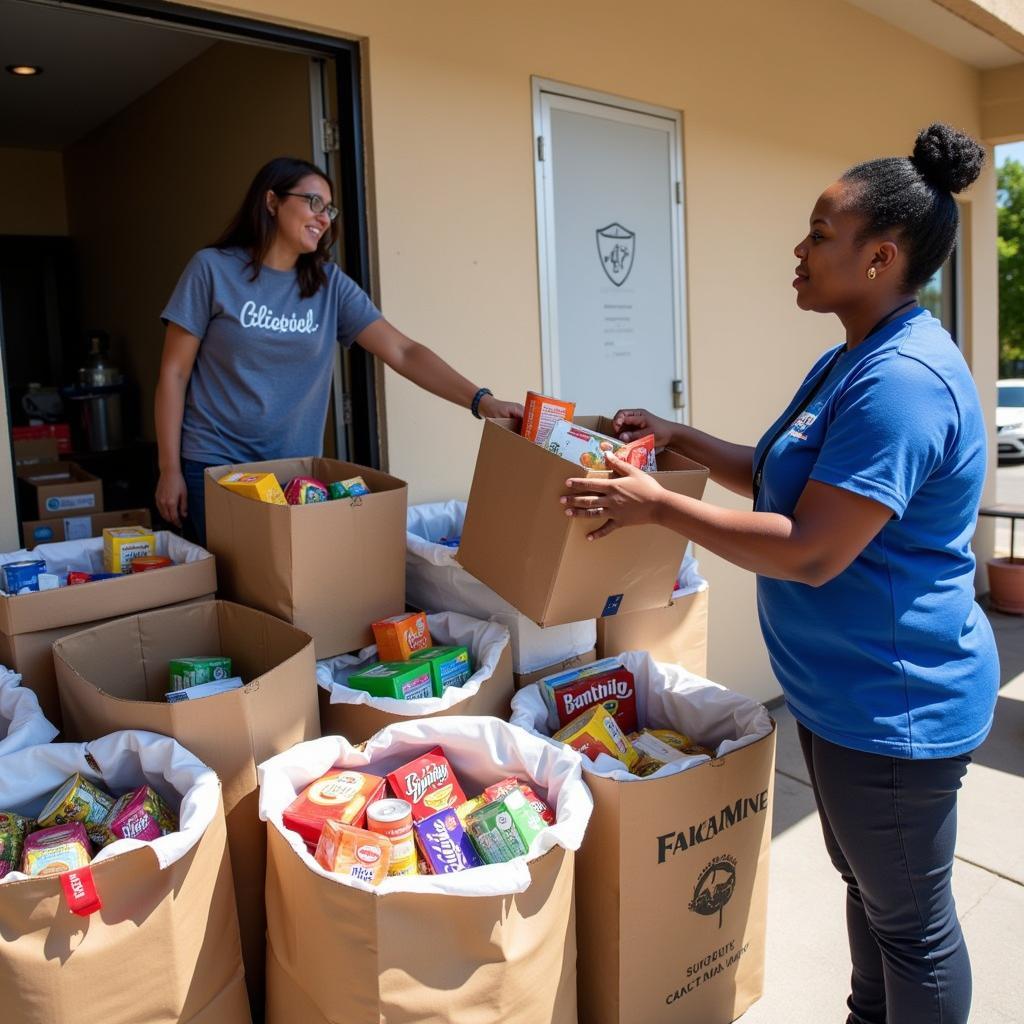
[[444, 843]]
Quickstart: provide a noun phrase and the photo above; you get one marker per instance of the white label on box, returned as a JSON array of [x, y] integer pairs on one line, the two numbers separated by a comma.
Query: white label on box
[[70, 501], [77, 527]]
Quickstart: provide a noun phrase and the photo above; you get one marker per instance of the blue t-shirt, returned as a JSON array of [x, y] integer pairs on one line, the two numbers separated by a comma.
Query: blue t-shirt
[[262, 378], [892, 656]]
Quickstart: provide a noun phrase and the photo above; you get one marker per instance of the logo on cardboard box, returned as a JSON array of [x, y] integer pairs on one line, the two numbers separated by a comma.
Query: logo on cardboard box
[[714, 888]]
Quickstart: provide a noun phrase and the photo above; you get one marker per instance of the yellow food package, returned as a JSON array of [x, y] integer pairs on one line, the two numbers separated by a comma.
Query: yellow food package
[[258, 486], [596, 732], [123, 544], [471, 805]]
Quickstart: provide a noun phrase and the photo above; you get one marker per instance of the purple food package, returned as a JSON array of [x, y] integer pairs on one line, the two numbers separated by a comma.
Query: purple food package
[[444, 844], [135, 817]]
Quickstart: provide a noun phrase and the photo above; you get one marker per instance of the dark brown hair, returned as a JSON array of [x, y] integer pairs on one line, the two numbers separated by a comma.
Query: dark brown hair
[[252, 227]]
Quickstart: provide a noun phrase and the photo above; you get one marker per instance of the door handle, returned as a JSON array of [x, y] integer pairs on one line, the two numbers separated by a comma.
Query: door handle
[[678, 399]]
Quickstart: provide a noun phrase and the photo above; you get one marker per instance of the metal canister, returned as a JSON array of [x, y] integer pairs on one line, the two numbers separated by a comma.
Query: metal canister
[[23, 577], [76, 800], [393, 818], [147, 562]]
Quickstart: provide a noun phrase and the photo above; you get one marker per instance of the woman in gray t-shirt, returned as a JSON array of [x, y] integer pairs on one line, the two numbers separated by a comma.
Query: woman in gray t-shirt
[[249, 349]]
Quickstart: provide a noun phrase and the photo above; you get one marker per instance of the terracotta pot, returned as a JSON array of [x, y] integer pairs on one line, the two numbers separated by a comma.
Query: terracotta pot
[[1006, 585]]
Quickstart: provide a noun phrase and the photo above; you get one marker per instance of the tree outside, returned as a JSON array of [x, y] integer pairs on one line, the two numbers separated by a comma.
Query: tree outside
[[1010, 242]]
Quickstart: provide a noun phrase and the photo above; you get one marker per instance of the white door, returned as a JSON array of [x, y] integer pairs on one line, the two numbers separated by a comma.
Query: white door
[[610, 230]]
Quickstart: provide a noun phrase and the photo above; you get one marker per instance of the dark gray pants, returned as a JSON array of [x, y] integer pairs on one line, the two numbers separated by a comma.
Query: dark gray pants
[[890, 830]]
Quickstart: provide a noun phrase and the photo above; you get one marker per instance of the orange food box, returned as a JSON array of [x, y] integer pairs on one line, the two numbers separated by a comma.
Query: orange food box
[[541, 413], [401, 636], [354, 852], [341, 795]]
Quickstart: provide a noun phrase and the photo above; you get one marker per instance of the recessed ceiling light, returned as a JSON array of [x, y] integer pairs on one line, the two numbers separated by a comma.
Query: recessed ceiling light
[[24, 70]]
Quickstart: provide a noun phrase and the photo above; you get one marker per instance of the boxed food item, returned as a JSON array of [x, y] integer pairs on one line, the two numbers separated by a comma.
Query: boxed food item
[[185, 672], [257, 486], [59, 432], [449, 666], [541, 413], [122, 544], [210, 689], [354, 487], [399, 637], [587, 448], [504, 828], [401, 680], [57, 489], [595, 732], [339, 795], [52, 851], [445, 846], [32, 450], [428, 784], [500, 789], [305, 490], [607, 682], [141, 814], [355, 852]]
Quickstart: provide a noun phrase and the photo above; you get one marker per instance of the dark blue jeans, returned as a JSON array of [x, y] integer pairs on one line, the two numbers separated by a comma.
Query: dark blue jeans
[[890, 830], [195, 521]]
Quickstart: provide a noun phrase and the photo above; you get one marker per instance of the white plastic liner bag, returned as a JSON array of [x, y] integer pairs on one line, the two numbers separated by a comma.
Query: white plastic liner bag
[[22, 723], [689, 581], [435, 582], [481, 751], [667, 697]]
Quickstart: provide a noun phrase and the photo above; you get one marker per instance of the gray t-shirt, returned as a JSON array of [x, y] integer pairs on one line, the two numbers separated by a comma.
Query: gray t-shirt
[[261, 381]]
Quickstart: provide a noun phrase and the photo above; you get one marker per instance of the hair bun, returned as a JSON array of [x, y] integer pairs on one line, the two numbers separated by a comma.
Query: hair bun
[[946, 158]]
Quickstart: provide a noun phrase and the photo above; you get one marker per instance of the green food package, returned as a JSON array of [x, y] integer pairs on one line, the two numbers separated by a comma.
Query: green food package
[[185, 672], [449, 666], [402, 680], [505, 828]]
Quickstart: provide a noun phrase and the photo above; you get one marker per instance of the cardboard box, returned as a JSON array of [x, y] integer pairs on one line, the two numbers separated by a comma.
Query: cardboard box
[[677, 634], [49, 531], [31, 450], [518, 540], [60, 432], [58, 489], [30, 623], [330, 568], [527, 678], [114, 677]]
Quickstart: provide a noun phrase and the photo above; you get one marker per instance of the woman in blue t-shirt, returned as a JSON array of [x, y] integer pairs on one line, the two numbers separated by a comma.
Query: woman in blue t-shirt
[[251, 331], [866, 493]]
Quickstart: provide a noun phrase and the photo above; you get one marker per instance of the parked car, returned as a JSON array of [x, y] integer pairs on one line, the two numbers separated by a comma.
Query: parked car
[[1010, 418]]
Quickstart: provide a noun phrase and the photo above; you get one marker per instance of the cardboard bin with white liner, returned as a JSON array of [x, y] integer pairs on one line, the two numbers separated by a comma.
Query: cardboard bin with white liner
[[518, 540], [163, 947], [672, 878], [677, 634], [114, 676], [357, 715], [22, 723], [494, 943], [30, 623], [330, 568], [435, 582]]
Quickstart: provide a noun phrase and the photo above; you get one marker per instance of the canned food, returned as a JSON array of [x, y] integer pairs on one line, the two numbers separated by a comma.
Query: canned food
[[23, 577], [52, 851], [146, 562], [76, 800], [393, 818]]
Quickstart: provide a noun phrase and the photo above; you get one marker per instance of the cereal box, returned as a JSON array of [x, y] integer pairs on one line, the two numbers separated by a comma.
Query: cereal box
[[428, 783], [614, 688], [401, 680], [596, 732], [258, 486], [122, 544], [340, 795], [401, 636], [449, 666], [354, 852], [444, 844], [587, 448], [541, 413]]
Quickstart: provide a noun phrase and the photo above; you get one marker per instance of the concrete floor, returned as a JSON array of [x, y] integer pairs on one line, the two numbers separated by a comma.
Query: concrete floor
[[808, 959]]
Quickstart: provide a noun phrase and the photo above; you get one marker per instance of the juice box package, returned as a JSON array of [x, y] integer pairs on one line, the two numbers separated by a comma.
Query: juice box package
[[428, 783], [444, 844], [615, 689], [52, 851], [185, 672], [503, 788], [587, 448], [541, 413], [353, 852], [339, 795], [123, 544], [400, 637], [505, 828], [596, 732], [141, 814], [76, 799], [449, 666], [401, 680], [258, 486]]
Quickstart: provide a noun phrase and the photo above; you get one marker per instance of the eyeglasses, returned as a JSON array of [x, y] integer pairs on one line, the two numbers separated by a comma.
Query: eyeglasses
[[316, 204]]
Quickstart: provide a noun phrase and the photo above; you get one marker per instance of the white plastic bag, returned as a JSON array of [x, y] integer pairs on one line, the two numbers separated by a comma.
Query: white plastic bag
[[22, 723], [667, 697], [485, 640], [481, 751], [689, 581], [435, 582]]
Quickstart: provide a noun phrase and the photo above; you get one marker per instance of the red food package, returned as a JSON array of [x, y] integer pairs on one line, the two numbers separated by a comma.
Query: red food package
[[340, 795], [615, 689], [503, 788], [428, 783], [640, 453]]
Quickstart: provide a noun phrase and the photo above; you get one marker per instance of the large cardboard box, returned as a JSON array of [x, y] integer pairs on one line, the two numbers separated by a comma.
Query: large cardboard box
[[50, 531], [30, 623], [677, 634], [57, 489], [31, 450], [521, 679], [518, 540], [114, 676], [331, 568]]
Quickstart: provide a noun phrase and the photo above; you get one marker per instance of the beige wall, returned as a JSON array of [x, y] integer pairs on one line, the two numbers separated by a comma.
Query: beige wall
[[160, 180], [32, 192]]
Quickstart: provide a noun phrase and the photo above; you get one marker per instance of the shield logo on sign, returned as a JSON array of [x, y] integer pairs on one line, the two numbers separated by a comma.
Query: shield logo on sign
[[615, 246]]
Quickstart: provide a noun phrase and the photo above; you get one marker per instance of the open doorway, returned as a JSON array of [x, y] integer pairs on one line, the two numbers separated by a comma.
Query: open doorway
[[127, 153]]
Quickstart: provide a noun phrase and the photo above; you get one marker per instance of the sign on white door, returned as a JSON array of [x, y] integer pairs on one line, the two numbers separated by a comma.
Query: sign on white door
[[609, 218]]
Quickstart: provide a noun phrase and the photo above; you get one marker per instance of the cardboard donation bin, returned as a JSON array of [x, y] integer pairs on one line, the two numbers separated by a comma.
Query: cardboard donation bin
[[491, 943], [49, 531], [435, 582], [330, 568], [22, 723], [115, 676], [159, 943], [677, 634], [357, 715], [58, 489], [518, 540], [528, 679], [672, 879], [30, 623]]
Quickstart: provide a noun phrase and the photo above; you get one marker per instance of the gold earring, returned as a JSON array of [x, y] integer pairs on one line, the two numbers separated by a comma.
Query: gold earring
[[872, 273]]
